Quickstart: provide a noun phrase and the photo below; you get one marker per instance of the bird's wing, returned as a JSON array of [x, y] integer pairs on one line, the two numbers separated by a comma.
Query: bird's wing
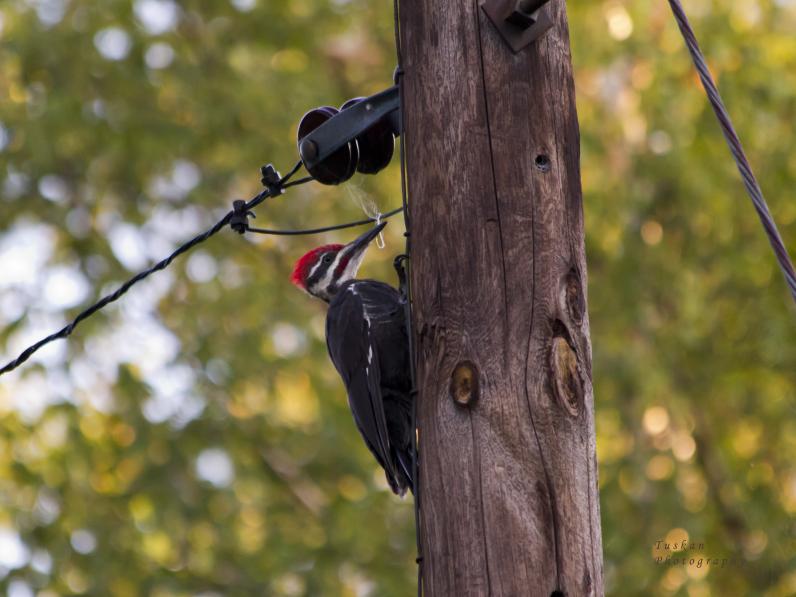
[[355, 355]]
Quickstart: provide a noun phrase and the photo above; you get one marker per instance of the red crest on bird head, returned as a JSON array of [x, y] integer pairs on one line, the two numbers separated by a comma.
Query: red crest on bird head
[[304, 265]]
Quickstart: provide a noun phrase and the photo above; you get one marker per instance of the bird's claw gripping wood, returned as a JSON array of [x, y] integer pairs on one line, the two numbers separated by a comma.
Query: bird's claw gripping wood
[[400, 269]]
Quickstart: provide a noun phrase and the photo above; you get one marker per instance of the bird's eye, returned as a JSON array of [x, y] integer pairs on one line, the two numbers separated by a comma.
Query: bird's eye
[[327, 258]]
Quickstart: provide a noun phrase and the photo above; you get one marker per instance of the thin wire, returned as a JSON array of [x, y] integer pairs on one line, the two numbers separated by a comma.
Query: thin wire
[[734, 142], [67, 330], [300, 181], [389, 214], [399, 75]]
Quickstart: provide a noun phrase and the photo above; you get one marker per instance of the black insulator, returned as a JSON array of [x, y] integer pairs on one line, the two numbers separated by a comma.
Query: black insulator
[[338, 167], [376, 145]]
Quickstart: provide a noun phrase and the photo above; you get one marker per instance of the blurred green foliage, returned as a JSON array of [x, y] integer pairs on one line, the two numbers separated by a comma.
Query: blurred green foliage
[[194, 439]]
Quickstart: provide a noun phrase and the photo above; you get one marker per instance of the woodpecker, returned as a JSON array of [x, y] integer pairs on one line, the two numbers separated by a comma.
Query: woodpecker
[[367, 341]]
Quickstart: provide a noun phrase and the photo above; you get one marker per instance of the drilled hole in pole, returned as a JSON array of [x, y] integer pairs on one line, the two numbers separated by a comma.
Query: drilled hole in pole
[[557, 594], [542, 163]]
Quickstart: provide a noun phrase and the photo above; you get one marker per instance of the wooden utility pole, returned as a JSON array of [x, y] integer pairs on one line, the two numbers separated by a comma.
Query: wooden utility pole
[[508, 471]]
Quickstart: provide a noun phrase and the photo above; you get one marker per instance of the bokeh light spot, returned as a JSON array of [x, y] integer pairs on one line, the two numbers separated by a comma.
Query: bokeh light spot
[[113, 43], [215, 466], [656, 420], [651, 232]]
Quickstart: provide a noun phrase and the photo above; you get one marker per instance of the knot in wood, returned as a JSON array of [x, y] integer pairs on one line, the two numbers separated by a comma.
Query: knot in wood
[[464, 384], [574, 300], [567, 385]]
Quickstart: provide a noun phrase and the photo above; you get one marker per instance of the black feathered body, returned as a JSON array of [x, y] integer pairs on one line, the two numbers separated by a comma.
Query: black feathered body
[[367, 342]]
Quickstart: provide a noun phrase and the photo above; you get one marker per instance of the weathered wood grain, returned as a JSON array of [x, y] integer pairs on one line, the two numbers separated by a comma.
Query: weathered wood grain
[[506, 413]]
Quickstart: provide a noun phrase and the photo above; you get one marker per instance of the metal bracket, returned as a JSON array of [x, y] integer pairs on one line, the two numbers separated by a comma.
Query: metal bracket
[[349, 124], [519, 22]]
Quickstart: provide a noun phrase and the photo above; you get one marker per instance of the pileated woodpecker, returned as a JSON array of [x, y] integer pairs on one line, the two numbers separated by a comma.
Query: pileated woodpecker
[[367, 341]]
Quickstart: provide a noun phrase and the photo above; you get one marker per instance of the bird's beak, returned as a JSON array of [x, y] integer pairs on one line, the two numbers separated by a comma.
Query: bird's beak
[[359, 245], [354, 251]]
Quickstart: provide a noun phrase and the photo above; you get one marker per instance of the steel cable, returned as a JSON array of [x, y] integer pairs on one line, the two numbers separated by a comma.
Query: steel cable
[[734, 142]]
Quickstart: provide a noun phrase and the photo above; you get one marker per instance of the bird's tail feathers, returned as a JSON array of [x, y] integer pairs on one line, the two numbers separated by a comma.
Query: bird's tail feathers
[[404, 458]]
